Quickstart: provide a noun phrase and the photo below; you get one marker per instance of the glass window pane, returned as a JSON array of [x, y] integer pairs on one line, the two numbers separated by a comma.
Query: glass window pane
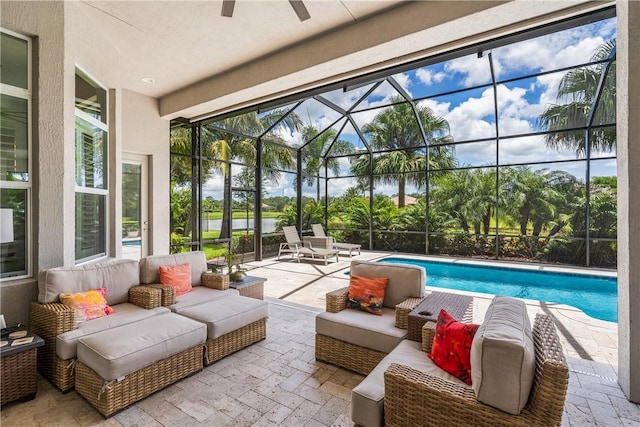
[[14, 138], [13, 237], [537, 148], [91, 98], [91, 155], [90, 226], [15, 61]]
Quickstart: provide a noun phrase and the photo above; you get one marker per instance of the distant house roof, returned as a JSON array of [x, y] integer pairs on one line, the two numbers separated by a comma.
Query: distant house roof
[[408, 200]]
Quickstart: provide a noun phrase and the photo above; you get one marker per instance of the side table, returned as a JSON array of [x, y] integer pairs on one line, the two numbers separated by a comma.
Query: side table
[[19, 370], [459, 306], [251, 286]]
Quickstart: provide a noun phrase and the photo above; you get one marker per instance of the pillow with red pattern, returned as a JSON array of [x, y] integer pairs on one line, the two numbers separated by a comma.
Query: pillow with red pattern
[[451, 349], [89, 305], [367, 293], [178, 276]]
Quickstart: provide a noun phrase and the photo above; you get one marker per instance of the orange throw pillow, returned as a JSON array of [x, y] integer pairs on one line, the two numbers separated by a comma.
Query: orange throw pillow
[[367, 293], [451, 349], [178, 276]]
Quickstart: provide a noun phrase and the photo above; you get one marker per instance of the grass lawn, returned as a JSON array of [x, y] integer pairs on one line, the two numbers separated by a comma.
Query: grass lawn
[[242, 215]]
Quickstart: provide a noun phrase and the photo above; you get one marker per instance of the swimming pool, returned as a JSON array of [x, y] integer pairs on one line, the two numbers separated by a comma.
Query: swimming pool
[[595, 295]]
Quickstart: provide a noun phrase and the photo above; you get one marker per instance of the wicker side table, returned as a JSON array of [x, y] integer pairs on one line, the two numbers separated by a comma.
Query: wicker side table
[[19, 370], [459, 306], [251, 286]]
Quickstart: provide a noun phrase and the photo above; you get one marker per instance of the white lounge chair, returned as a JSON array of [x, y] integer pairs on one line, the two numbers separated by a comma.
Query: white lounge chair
[[318, 231], [297, 249]]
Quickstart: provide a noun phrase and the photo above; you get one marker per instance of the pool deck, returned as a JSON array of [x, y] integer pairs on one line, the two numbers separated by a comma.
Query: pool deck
[[278, 382]]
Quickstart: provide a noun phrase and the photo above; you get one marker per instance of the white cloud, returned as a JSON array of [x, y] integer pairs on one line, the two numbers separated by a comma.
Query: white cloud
[[429, 77], [476, 69]]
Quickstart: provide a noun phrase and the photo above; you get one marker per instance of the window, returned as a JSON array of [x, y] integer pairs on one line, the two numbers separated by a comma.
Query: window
[[15, 156], [91, 169]]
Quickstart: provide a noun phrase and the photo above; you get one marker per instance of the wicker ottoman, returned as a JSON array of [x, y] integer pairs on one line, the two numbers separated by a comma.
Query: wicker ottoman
[[118, 367], [233, 323]]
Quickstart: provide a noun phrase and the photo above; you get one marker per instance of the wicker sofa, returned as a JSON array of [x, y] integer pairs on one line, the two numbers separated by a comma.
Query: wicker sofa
[[407, 388], [357, 340]]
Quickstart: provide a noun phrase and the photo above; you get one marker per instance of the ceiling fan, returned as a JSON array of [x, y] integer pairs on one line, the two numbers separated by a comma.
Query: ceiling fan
[[297, 5]]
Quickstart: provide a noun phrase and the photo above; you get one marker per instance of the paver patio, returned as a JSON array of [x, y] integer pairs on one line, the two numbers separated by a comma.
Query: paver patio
[[278, 381]]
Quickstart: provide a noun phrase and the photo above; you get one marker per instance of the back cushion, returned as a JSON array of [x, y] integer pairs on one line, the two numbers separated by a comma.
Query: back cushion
[[150, 266], [503, 356], [116, 276], [405, 280]]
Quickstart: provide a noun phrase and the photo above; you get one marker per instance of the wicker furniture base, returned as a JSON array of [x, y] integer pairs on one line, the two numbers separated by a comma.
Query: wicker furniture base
[[215, 280], [236, 340], [459, 306], [349, 356], [113, 396], [252, 287], [19, 376]]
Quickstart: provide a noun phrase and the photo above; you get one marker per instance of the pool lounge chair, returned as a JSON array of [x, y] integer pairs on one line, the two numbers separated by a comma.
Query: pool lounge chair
[[297, 249], [318, 231]]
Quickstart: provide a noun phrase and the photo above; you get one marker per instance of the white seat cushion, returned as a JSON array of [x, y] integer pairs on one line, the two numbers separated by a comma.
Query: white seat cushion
[[228, 314], [121, 351], [405, 281], [361, 328], [66, 343], [367, 398], [200, 295], [503, 356]]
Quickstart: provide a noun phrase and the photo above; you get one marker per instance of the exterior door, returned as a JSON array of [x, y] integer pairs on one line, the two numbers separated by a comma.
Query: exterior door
[[135, 219]]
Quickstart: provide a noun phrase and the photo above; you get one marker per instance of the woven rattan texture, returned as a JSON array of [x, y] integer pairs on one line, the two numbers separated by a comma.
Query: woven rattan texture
[[145, 296], [418, 399], [235, 340], [255, 290], [19, 375], [336, 301], [48, 321], [215, 281], [109, 398], [403, 309], [459, 306], [167, 294], [349, 356]]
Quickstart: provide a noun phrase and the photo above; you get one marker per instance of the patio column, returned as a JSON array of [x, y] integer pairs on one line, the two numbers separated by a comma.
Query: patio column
[[628, 134]]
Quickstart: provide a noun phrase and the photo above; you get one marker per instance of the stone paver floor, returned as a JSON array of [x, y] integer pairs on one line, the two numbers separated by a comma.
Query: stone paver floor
[[278, 381]]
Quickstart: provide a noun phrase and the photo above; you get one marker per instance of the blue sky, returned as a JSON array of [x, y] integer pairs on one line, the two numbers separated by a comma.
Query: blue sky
[[470, 114]]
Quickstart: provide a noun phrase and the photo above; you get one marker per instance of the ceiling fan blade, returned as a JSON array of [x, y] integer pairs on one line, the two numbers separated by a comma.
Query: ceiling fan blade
[[227, 7], [300, 9]]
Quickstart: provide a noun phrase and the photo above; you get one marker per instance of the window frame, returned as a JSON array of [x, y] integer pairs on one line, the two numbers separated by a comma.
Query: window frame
[[22, 93]]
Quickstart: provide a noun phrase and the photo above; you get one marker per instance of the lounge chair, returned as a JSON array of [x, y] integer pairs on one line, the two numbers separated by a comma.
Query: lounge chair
[[318, 231], [297, 249]]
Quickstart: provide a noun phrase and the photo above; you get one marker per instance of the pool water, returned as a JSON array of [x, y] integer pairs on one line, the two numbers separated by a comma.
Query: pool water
[[595, 295]]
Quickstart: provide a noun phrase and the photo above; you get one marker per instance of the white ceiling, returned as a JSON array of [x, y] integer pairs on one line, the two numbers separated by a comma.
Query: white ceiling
[[178, 43]]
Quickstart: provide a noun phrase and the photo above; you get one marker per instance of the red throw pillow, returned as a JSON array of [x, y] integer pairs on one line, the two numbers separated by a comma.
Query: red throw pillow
[[178, 276], [367, 293], [451, 347]]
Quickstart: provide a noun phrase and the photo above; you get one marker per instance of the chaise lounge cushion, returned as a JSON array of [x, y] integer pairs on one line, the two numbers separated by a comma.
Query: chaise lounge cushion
[[228, 314], [199, 295], [358, 328], [121, 351], [125, 313], [367, 398], [405, 281], [503, 356], [116, 276]]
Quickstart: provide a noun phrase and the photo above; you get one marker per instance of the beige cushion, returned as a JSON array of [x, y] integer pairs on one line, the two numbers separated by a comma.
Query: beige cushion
[[361, 328], [405, 281], [367, 398], [228, 314], [503, 356], [116, 276], [66, 343], [121, 351], [150, 266], [199, 295]]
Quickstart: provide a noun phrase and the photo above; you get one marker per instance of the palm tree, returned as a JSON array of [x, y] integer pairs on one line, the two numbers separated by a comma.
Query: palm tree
[[396, 134], [577, 92], [314, 155], [236, 144]]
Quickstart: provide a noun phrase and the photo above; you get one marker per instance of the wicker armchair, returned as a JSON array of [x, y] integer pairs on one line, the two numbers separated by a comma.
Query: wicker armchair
[[418, 399], [404, 291], [48, 320]]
